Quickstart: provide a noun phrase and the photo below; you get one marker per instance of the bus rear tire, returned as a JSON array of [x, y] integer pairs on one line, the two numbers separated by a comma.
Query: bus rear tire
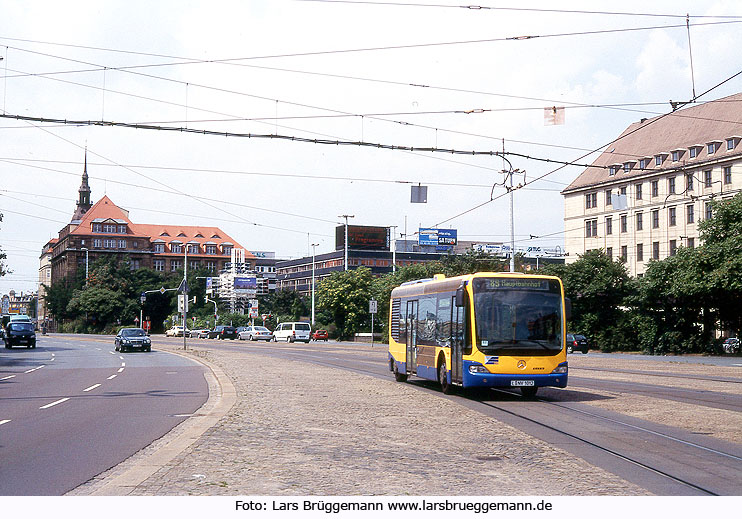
[[399, 377], [529, 391], [446, 387]]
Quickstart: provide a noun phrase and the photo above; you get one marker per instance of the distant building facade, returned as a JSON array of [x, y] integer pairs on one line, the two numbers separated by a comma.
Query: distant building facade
[[644, 196]]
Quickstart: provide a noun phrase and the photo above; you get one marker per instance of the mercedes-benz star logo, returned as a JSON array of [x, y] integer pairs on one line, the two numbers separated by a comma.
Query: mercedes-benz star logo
[[521, 364]]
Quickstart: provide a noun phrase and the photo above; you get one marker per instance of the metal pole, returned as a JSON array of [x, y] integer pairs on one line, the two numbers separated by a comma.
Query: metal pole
[[314, 245], [185, 294], [86, 264], [372, 330], [346, 216], [394, 249], [512, 226]]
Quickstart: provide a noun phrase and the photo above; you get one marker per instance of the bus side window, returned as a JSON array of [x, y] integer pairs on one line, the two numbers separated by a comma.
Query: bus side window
[[466, 324]]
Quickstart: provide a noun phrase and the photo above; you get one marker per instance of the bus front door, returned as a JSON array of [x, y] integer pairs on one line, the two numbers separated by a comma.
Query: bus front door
[[411, 337], [457, 343]]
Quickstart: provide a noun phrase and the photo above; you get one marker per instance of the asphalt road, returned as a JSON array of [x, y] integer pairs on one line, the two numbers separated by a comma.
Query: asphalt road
[[73, 408]]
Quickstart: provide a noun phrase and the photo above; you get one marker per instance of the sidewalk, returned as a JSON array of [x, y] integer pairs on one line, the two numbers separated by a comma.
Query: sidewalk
[[301, 429]]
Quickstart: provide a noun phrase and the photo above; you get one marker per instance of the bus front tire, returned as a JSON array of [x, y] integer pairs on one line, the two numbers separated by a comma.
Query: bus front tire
[[399, 377], [446, 387]]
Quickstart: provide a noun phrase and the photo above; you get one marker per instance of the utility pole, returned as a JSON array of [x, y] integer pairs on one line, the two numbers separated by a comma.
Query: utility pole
[[314, 248], [185, 293], [394, 248], [346, 216], [86, 265]]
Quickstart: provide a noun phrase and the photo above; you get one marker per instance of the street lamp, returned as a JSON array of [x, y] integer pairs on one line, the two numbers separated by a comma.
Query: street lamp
[[86, 264], [314, 246], [346, 216]]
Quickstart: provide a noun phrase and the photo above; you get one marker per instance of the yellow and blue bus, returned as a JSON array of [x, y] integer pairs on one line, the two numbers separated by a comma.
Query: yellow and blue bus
[[489, 329]]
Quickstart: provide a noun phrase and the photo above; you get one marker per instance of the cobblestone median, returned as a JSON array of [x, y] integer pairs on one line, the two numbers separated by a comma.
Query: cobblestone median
[[299, 429]]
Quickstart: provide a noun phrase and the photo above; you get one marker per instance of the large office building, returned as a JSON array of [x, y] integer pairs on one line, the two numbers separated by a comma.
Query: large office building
[[645, 195]]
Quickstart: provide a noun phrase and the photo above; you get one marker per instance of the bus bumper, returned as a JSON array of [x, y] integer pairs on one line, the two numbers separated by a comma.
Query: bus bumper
[[512, 380]]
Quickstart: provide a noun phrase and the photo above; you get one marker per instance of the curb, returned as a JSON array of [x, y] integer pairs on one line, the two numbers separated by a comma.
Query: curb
[[130, 473]]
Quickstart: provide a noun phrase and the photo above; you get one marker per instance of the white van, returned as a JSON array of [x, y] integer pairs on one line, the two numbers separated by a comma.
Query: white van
[[291, 332]]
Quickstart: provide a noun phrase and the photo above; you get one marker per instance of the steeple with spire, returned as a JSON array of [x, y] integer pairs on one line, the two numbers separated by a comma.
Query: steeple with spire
[[83, 203]]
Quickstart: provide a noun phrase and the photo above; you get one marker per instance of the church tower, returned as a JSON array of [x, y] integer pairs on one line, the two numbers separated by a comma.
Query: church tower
[[83, 202]]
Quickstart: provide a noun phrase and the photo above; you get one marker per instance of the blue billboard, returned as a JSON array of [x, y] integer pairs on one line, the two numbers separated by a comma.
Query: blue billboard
[[438, 237]]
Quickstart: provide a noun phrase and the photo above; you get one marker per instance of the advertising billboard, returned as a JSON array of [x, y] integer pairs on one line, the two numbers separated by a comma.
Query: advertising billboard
[[438, 237], [363, 237], [245, 285]]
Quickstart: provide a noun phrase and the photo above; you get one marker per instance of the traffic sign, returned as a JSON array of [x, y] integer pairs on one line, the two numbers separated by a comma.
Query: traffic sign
[[372, 306]]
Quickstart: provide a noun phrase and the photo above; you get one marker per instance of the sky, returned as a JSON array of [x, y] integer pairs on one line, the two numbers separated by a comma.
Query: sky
[[431, 75]]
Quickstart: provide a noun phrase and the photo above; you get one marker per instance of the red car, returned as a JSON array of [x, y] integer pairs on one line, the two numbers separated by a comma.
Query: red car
[[320, 335]]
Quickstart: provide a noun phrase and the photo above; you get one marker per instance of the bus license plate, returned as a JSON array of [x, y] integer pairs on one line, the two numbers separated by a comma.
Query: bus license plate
[[521, 383]]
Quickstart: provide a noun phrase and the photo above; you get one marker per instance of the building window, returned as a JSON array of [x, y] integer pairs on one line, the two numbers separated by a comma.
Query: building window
[[707, 178], [638, 190], [655, 187], [675, 156], [656, 250], [135, 244], [211, 249], [658, 160], [109, 228], [193, 265], [176, 248], [730, 143], [709, 213], [624, 253], [193, 249], [689, 182], [96, 227], [609, 253], [639, 252], [97, 243], [627, 167], [159, 265], [591, 200], [673, 247], [690, 216], [612, 170], [109, 244], [711, 148], [608, 225], [672, 216], [591, 228], [693, 152], [159, 247], [134, 264], [691, 243], [122, 229], [624, 223], [656, 219], [671, 185], [727, 174], [211, 265], [642, 163], [228, 249], [639, 221], [174, 265], [122, 244], [608, 197]]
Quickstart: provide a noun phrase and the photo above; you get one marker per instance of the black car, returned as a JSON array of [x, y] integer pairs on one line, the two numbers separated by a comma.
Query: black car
[[577, 343], [132, 339], [20, 334], [223, 332]]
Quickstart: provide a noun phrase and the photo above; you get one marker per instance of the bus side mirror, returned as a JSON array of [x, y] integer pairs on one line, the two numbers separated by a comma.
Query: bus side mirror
[[460, 297], [568, 308]]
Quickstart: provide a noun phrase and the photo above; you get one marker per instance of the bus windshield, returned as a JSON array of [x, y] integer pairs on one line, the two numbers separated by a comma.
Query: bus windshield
[[518, 316]]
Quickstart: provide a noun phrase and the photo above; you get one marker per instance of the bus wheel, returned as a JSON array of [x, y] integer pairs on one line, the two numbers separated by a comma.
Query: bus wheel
[[446, 387], [529, 391], [399, 377]]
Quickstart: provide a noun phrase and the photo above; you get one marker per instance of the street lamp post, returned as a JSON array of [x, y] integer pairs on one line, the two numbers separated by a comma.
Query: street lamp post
[[314, 248], [346, 216]]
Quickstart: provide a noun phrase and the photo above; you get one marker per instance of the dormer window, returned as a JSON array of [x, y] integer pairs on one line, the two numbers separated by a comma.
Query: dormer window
[[658, 159], [643, 163], [732, 142], [711, 147], [627, 166], [694, 151], [676, 154], [164, 233], [615, 168], [181, 235]]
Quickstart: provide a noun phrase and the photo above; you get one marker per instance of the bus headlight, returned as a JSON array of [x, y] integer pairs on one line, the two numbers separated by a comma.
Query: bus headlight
[[561, 369], [478, 369]]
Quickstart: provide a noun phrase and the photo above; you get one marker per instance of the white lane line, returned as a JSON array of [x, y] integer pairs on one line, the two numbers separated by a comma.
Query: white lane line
[[91, 388], [121, 357], [111, 352], [6, 378], [111, 377], [98, 349], [121, 369], [47, 406], [4, 422], [123, 364], [34, 369]]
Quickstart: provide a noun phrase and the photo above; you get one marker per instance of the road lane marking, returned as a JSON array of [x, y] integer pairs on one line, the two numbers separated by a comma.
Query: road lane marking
[[47, 406], [121, 369], [6, 378], [111, 352], [91, 387], [34, 369], [111, 377], [4, 422], [122, 358], [123, 363]]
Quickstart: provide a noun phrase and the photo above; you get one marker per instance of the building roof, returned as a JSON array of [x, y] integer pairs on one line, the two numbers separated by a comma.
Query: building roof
[[693, 127], [103, 210], [186, 234]]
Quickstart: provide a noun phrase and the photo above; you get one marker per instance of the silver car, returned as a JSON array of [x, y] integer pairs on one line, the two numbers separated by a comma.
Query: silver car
[[255, 333]]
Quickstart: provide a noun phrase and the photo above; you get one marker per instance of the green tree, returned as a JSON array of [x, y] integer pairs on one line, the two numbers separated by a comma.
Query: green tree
[[3, 256], [343, 297]]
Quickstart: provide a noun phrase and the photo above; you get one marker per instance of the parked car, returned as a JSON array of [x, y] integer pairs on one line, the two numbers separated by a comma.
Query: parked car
[[176, 331], [731, 345], [223, 332], [199, 334], [320, 335], [255, 333], [577, 343], [132, 339], [291, 332], [20, 333]]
